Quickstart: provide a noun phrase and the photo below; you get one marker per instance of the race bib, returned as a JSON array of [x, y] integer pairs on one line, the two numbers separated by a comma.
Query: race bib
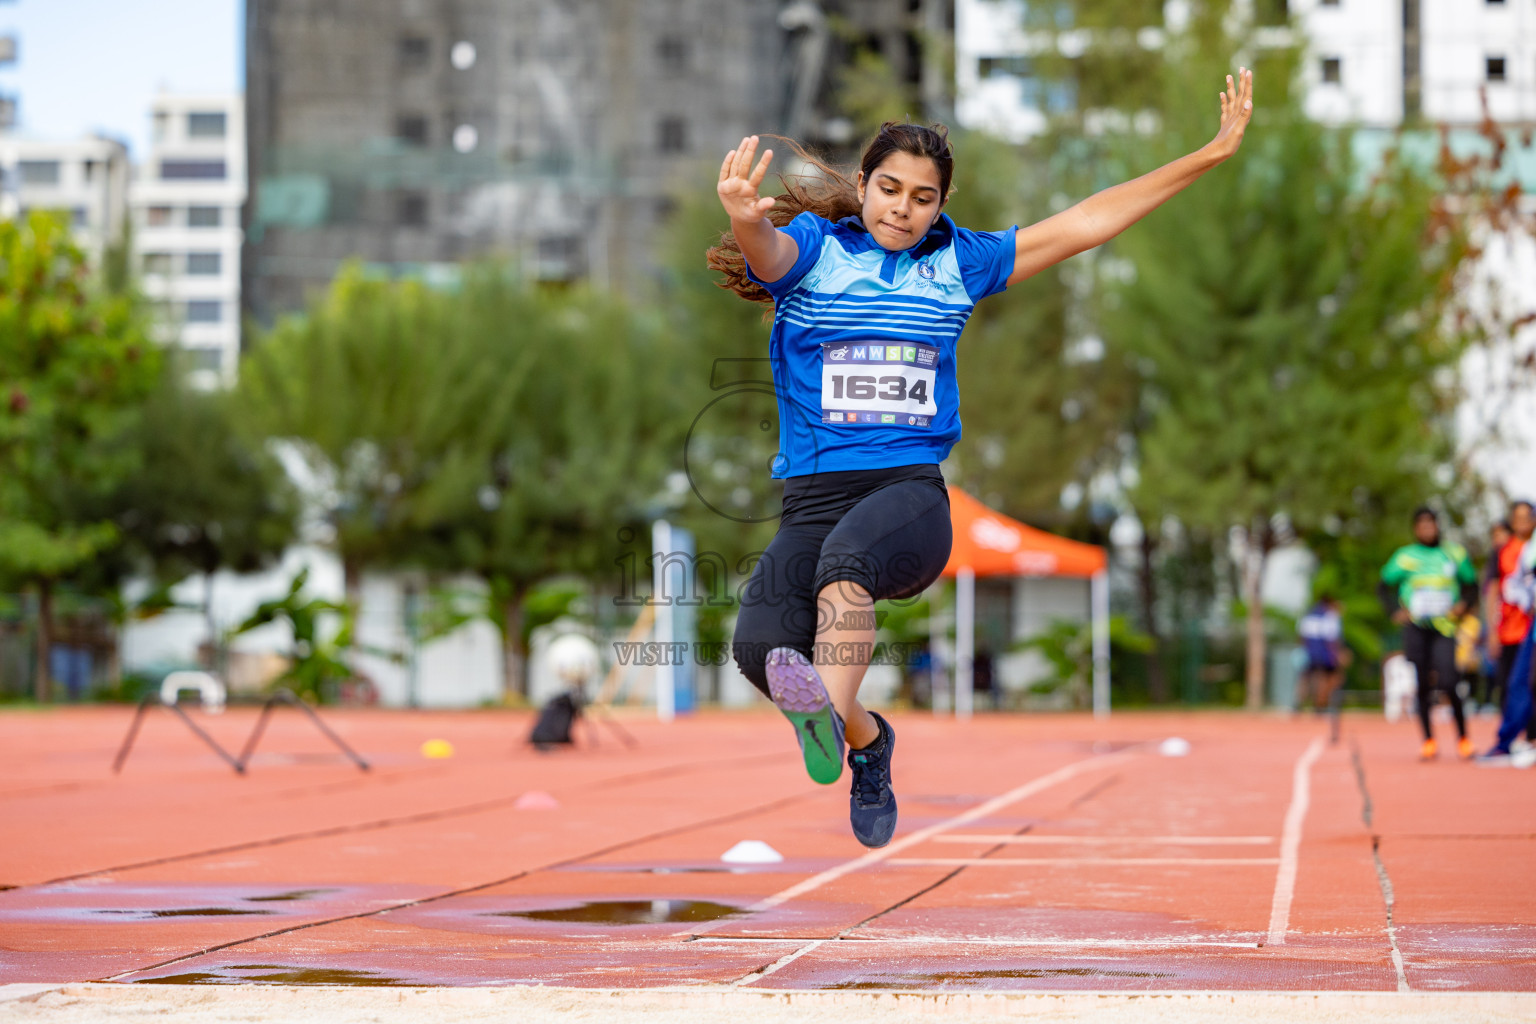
[[879, 385], [1517, 590], [1429, 604]]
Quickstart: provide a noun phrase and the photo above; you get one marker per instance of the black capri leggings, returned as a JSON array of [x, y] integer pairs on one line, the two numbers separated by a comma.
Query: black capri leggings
[[1433, 656], [887, 530]]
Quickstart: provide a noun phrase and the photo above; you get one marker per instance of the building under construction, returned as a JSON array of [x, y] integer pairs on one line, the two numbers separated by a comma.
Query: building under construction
[[416, 134]]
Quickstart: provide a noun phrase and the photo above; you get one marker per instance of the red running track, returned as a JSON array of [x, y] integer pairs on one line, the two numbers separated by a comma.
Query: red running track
[[1045, 852]]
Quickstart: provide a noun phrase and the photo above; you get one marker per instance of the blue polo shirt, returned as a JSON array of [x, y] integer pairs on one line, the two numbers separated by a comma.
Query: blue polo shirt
[[863, 342]]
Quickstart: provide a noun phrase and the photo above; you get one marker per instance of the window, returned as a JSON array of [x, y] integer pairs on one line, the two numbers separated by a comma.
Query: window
[[79, 217], [411, 129], [1333, 70], [39, 172], [411, 209], [203, 263], [157, 217], [90, 170], [205, 311], [672, 53], [204, 216], [206, 124], [1495, 66], [672, 135], [415, 53], [192, 170], [157, 263]]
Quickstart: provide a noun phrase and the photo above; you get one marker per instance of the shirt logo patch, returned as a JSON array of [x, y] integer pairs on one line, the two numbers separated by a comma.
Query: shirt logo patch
[[925, 271]]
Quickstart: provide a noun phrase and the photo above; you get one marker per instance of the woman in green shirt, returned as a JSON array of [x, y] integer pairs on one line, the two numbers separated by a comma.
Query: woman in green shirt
[[1426, 587]]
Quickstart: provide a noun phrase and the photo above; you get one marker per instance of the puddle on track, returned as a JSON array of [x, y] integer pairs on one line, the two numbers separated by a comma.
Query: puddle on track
[[283, 897], [622, 912], [280, 974], [939, 979]]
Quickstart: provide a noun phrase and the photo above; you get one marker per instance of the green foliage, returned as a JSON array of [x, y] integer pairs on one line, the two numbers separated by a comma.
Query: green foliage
[[1067, 647], [206, 496], [74, 363], [494, 429], [315, 661]]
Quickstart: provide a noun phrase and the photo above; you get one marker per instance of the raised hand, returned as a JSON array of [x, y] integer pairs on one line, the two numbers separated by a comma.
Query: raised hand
[[739, 182], [1236, 109]]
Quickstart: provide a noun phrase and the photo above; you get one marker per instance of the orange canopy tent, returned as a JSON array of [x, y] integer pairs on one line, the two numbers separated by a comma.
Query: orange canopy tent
[[991, 544], [988, 543]]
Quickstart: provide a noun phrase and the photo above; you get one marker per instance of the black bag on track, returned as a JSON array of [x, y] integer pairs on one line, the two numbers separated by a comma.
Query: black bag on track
[[556, 720]]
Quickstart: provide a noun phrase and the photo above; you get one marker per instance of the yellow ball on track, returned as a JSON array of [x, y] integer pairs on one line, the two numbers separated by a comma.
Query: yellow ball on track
[[437, 749]]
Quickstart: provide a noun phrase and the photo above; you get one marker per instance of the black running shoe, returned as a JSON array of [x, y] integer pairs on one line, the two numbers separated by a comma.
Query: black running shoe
[[872, 805]]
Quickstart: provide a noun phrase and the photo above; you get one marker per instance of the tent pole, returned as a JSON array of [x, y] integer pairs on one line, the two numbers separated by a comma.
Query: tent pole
[[965, 639], [1098, 596]]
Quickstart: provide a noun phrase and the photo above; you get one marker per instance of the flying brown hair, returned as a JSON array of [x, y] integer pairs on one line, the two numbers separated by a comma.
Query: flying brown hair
[[830, 194]]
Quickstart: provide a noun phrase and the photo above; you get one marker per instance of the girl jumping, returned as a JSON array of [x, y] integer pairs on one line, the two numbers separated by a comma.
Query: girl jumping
[[871, 285]]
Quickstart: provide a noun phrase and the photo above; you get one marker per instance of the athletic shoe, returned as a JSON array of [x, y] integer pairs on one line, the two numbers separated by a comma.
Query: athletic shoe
[[872, 804], [1523, 758], [1464, 749], [1429, 751], [1494, 755], [797, 689]]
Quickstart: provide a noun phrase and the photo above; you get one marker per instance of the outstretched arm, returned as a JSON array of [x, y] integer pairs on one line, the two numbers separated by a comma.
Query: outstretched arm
[[1105, 214], [769, 252]]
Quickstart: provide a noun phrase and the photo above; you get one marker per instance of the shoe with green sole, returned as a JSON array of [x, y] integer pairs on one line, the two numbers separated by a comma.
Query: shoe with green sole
[[796, 688]]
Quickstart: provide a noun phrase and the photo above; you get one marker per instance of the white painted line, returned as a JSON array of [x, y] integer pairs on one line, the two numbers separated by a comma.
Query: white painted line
[[971, 940], [1290, 843], [998, 862], [922, 835], [1030, 838], [1054, 942], [783, 961]]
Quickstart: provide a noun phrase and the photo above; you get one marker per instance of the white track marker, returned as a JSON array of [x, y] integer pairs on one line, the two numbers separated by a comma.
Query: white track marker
[[1290, 844], [1003, 862], [1032, 839], [922, 835]]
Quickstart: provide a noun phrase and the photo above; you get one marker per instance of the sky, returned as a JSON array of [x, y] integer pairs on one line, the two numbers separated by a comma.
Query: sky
[[87, 66]]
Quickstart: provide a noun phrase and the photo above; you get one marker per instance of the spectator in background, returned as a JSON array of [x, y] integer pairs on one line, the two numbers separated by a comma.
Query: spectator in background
[[1426, 587], [1510, 619], [1322, 635], [1499, 534]]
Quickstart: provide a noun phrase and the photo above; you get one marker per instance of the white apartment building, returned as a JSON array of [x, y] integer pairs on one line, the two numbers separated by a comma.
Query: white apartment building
[[1359, 65], [1359, 48], [86, 179], [186, 200]]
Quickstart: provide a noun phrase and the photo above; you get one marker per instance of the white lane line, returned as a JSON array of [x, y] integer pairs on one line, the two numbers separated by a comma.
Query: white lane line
[[1000, 862], [922, 835], [1030, 839], [1290, 843], [783, 961], [1054, 942]]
